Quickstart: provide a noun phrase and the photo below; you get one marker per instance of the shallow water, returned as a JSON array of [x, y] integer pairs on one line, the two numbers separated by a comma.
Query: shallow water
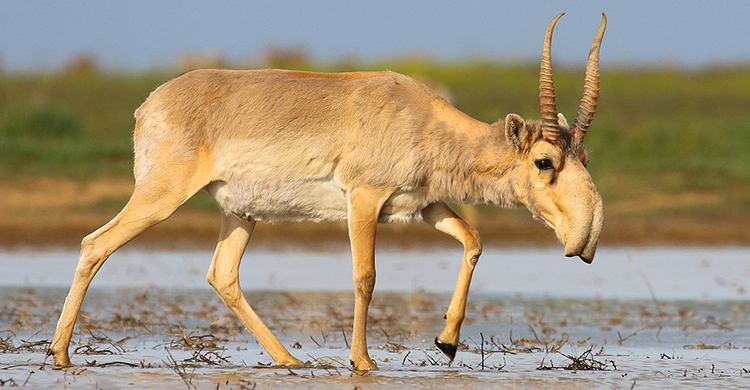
[[623, 273], [652, 318]]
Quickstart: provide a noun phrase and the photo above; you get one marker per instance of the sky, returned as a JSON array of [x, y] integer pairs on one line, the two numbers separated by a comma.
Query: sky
[[145, 34]]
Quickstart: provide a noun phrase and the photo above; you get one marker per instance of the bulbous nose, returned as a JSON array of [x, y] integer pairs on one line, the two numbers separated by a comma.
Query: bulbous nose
[[584, 243]]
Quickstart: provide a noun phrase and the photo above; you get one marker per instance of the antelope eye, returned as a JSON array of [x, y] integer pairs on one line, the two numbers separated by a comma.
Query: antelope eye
[[543, 164]]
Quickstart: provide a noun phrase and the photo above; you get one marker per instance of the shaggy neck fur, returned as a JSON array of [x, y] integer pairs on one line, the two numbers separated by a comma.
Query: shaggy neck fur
[[470, 164]]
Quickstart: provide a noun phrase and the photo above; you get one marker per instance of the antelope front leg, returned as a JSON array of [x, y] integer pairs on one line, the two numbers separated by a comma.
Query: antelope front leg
[[445, 220], [364, 208]]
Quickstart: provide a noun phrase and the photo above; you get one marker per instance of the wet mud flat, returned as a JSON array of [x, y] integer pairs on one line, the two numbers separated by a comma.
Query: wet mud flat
[[147, 337]]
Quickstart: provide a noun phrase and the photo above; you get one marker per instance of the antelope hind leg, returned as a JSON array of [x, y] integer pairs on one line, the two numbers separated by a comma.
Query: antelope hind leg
[[223, 275], [144, 209], [440, 216]]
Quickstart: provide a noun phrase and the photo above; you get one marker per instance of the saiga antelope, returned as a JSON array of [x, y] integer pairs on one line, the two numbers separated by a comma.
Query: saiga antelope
[[362, 147]]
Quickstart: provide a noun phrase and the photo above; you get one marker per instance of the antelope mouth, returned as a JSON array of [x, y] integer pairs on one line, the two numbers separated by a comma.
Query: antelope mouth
[[580, 245], [586, 254]]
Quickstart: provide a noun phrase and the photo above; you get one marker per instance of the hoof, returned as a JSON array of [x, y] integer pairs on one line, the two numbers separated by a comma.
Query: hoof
[[448, 349], [367, 365], [61, 361], [293, 363]]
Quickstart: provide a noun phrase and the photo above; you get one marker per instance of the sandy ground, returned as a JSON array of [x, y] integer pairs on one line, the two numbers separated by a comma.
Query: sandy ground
[[60, 212]]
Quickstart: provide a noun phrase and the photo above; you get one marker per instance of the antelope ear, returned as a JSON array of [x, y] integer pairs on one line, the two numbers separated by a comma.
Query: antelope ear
[[562, 122], [516, 133]]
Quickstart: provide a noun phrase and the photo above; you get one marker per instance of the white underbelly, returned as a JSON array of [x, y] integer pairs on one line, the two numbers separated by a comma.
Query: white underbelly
[[315, 200]]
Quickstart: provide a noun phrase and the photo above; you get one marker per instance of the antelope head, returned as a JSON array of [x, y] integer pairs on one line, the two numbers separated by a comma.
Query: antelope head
[[553, 182]]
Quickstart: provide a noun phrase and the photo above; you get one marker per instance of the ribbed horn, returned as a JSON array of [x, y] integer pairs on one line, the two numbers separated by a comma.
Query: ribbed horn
[[550, 130], [591, 87]]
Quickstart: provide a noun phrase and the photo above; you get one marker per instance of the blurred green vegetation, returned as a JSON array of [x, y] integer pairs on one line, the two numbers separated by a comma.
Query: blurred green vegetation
[[76, 125], [657, 130]]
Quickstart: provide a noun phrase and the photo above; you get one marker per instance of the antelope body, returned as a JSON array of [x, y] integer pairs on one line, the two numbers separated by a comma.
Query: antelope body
[[363, 147]]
